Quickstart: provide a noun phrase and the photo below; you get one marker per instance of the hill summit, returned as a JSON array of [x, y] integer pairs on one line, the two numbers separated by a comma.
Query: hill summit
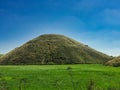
[[53, 49]]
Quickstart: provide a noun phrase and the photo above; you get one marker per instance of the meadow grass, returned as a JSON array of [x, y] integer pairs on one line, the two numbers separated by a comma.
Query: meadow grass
[[59, 77]]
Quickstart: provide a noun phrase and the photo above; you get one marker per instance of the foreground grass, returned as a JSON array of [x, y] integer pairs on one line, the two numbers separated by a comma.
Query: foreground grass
[[59, 77]]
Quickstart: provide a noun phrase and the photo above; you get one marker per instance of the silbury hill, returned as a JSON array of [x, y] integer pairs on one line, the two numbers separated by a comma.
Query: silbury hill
[[53, 49]]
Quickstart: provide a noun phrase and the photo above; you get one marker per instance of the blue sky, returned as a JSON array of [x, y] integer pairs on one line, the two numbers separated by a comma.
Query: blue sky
[[93, 22]]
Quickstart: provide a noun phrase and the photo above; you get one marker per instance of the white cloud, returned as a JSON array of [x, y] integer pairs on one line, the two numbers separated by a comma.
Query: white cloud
[[112, 51]]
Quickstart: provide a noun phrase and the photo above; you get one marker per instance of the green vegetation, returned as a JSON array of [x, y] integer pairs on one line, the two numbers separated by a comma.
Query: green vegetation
[[1, 55], [53, 49], [60, 77], [114, 62]]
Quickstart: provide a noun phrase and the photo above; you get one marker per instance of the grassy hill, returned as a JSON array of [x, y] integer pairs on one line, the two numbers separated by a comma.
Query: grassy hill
[[53, 49], [114, 62]]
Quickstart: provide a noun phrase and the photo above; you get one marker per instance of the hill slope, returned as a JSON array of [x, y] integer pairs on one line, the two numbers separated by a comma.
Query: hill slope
[[1, 55], [114, 62], [53, 49]]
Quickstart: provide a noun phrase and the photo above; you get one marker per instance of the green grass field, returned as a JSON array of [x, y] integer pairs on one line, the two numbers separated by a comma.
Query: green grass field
[[60, 77]]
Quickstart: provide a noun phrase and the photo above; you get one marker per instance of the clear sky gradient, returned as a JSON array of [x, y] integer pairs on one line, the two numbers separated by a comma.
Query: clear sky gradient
[[93, 22]]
